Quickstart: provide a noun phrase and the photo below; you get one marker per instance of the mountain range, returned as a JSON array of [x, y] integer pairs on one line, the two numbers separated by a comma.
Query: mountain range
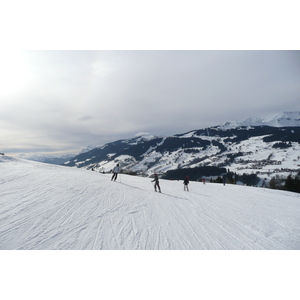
[[285, 119], [260, 146], [47, 159]]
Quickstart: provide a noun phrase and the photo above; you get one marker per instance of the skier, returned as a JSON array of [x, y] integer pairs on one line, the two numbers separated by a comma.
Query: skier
[[156, 183], [203, 180], [186, 183], [116, 170], [264, 183], [224, 179]]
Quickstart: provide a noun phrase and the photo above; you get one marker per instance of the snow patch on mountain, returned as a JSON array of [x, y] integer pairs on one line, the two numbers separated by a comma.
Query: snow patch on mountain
[[144, 136]]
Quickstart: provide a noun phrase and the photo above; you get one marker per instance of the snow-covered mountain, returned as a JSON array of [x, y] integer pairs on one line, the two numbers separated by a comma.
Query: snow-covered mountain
[[87, 149], [46, 206], [285, 119], [48, 159], [248, 147]]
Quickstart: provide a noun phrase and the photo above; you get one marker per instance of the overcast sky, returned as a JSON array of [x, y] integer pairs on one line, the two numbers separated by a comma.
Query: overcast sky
[[63, 101]]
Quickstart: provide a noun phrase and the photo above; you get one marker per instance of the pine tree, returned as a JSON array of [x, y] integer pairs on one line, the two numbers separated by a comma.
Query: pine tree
[[272, 183], [289, 184], [229, 178], [292, 184], [219, 180], [297, 184]]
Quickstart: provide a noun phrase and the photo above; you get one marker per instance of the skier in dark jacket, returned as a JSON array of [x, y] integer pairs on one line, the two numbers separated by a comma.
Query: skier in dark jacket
[[224, 179], [186, 183], [156, 183]]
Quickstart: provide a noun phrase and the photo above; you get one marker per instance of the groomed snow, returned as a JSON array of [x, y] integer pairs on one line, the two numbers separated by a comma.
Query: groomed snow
[[54, 207]]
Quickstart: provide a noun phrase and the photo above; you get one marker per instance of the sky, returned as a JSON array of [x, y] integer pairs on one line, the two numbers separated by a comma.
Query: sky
[[66, 100], [63, 101], [67, 85]]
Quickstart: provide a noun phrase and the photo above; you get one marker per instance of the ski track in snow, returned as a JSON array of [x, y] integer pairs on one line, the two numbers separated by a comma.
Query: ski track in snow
[[53, 207]]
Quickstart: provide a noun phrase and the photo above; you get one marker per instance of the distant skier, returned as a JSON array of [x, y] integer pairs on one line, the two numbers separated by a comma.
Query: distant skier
[[264, 183], [156, 183], [224, 179], [186, 183], [203, 180], [116, 170]]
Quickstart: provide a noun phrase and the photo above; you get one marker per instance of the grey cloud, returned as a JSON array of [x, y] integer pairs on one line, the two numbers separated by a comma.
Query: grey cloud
[[80, 98], [85, 118]]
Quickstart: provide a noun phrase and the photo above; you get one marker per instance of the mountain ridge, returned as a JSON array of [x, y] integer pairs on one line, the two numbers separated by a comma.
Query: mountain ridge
[[245, 148], [285, 119]]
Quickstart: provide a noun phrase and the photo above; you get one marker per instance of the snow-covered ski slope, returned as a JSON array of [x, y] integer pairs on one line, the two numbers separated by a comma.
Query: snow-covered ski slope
[[54, 207]]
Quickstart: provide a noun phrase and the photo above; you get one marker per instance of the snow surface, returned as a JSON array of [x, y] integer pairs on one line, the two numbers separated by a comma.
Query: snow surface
[[54, 207]]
